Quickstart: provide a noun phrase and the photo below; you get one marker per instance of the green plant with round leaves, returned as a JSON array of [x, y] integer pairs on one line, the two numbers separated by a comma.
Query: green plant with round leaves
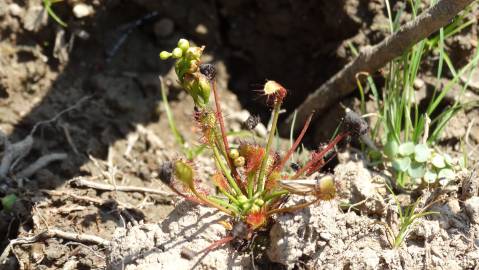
[[403, 124], [419, 164]]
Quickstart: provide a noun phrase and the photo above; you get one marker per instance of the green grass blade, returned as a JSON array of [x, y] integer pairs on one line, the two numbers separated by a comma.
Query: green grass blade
[[48, 7], [169, 115]]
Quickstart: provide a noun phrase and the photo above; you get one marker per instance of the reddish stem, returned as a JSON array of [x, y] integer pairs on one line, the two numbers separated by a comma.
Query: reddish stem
[[295, 145], [291, 208], [320, 165], [217, 244], [223, 135], [321, 154], [186, 197]]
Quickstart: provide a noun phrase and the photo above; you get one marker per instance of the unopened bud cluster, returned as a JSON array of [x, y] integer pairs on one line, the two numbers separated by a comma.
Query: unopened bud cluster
[[187, 69]]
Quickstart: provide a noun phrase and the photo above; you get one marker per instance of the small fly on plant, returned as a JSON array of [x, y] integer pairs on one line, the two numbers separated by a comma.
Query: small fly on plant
[[295, 166]]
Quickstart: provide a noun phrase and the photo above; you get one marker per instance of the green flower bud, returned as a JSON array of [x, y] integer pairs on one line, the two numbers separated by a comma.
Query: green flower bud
[[255, 209], [184, 172], [234, 153], [326, 188], [242, 199], [183, 44], [259, 202], [204, 89], [165, 55], [239, 161], [177, 53], [246, 205]]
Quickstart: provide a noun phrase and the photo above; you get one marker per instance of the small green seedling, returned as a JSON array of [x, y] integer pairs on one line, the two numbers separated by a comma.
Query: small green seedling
[[418, 164], [8, 202], [407, 218], [251, 177]]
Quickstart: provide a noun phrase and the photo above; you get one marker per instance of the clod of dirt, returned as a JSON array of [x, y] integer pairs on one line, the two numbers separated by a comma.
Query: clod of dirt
[[35, 18], [15, 9], [160, 246], [472, 209], [456, 127], [426, 230], [321, 236], [474, 80], [357, 188], [302, 233], [450, 215]]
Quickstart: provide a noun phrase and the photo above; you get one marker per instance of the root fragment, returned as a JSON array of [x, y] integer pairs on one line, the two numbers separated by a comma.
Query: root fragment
[[40, 163]]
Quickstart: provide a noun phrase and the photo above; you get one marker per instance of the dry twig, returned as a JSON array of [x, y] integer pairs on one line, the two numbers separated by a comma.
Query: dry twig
[[81, 182], [52, 233], [374, 57]]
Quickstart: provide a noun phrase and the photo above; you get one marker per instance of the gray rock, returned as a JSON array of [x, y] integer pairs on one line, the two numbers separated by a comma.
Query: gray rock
[[297, 234], [356, 186], [15, 9]]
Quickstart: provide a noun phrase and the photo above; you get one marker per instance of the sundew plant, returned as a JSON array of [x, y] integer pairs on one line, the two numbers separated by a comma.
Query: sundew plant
[[251, 178]]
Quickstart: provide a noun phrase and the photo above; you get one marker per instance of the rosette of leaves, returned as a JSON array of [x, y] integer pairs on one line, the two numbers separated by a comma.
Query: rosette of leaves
[[420, 163]]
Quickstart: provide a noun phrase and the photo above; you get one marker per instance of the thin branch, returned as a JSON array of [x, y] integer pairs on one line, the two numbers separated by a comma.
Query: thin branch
[[295, 145], [81, 182], [373, 58]]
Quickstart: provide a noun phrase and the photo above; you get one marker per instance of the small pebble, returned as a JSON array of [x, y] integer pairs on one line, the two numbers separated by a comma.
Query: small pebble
[[82, 34], [325, 236], [187, 253], [261, 130], [201, 29], [418, 83], [82, 10]]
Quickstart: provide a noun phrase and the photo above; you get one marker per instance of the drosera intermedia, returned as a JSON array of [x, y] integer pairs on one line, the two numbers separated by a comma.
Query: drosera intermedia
[[252, 179]]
